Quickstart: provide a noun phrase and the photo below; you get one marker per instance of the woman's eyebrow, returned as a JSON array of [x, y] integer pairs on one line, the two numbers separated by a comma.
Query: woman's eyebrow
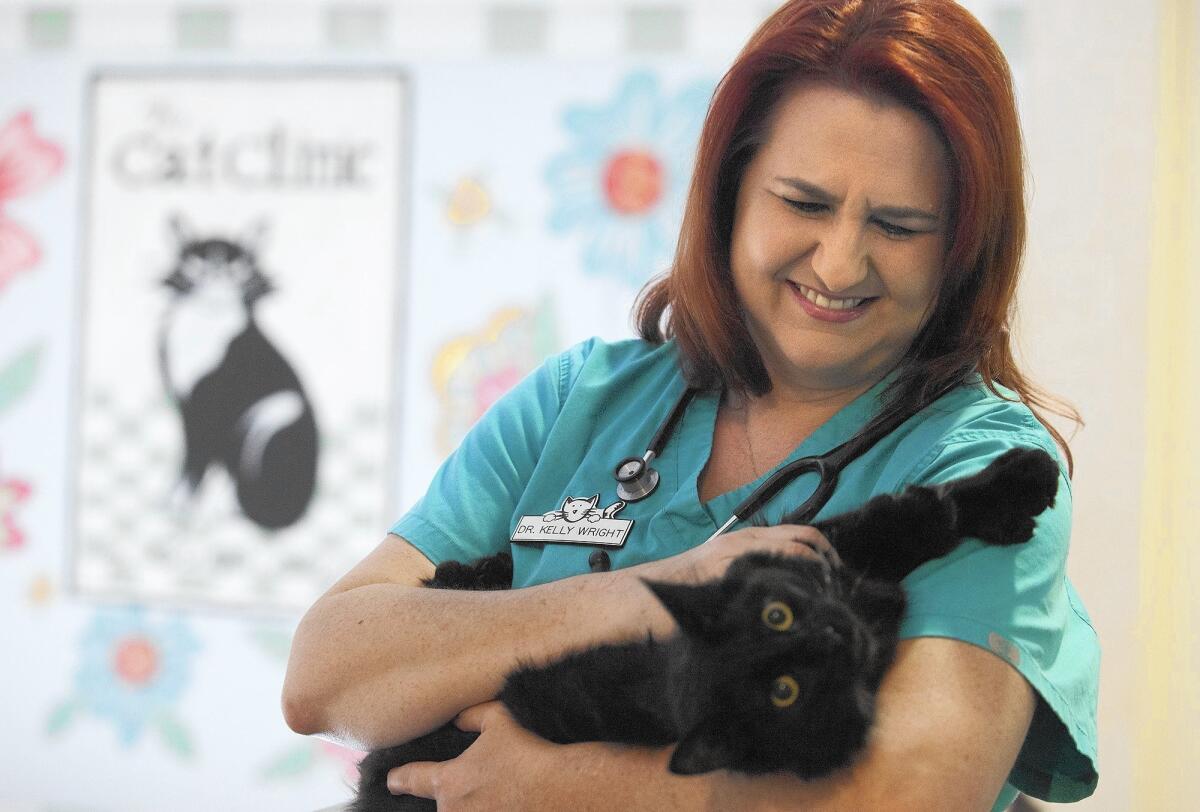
[[900, 212]]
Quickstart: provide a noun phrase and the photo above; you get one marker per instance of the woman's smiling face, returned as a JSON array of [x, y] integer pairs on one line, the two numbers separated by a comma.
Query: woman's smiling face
[[848, 199]]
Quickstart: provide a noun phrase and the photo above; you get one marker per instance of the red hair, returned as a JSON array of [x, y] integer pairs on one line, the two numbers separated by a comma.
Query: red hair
[[933, 57]]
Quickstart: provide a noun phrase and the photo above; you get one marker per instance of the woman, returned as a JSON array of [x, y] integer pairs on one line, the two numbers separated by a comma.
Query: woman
[[849, 252]]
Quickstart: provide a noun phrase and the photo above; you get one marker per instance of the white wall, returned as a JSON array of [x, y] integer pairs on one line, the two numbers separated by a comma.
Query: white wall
[[1089, 120]]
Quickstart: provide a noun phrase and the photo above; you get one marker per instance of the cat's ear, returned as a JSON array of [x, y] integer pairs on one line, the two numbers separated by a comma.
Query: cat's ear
[[707, 747], [695, 607], [594, 500]]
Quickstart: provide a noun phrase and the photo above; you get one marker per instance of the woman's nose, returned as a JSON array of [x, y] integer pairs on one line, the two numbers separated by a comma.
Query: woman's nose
[[840, 260]]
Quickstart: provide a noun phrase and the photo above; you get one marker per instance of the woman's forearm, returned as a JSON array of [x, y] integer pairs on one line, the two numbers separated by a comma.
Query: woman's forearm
[[638, 779], [384, 663]]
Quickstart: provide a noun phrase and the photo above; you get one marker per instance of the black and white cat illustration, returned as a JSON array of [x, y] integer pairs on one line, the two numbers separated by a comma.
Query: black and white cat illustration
[[775, 666], [242, 405], [576, 509]]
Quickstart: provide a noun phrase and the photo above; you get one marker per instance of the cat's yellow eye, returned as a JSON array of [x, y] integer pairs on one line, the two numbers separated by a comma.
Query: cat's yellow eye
[[784, 691], [777, 615]]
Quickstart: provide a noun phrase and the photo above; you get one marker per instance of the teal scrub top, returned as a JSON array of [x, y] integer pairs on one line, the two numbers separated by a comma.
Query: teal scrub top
[[562, 430]]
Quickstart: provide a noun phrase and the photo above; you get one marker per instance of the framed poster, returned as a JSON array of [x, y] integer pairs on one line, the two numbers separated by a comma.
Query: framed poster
[[235, 406]]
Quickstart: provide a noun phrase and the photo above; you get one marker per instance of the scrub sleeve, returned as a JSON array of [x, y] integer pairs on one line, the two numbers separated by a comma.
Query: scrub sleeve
[[1017, 603], [465, 513], [1013, 601]]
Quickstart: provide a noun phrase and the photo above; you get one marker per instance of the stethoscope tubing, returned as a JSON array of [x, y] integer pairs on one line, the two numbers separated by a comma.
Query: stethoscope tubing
[[820, 465], [827, 466]]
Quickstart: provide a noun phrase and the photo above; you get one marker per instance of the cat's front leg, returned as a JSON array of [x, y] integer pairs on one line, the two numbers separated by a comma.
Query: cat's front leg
[[490, 572], [999, 503], [893, 534], [609, 692]]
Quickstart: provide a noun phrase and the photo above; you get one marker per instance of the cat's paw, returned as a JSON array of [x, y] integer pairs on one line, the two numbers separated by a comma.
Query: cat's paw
[[454, 575], [491, 572], [1000, 504]]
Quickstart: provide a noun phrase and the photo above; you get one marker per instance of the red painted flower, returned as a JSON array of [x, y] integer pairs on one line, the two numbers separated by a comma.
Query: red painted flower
[[134, 671], [633, 181], [135, 659], [490, 387], [27, 161], [622, 181], [12, 493]]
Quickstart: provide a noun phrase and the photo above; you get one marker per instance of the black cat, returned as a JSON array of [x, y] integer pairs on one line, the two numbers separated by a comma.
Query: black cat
[[776, 665], [241, 403]]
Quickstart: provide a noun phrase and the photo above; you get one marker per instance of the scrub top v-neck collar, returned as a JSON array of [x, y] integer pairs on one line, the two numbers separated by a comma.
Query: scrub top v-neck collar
[[695, 447]]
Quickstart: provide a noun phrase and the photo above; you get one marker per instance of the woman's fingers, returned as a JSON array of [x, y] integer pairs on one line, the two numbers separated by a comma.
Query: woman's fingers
[[814, 544], [711, 559], [419, 778], [475, 717], [816, 540]]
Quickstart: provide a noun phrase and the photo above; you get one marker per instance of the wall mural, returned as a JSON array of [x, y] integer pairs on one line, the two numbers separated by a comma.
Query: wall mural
[[621, 184], [248, 412], [472, 371], [469, 207], [13, 491], [27, 162], [132, 673], [240, 309]]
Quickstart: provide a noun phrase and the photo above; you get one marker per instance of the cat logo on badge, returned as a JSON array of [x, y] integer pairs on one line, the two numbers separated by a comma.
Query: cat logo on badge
[[578, 521]]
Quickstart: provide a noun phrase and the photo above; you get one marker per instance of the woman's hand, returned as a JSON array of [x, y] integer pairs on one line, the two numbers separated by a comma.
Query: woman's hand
[[507, 767], [708, 561], [510, 768]]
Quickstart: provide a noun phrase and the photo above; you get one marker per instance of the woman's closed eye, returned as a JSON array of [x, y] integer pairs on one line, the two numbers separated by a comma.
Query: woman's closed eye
[[813, 208]]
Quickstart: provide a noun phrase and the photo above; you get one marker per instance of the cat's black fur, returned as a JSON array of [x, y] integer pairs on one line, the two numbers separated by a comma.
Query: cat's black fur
[[739, 687]]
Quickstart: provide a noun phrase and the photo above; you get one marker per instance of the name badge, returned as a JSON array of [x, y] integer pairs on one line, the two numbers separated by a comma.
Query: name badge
[[578, 521]]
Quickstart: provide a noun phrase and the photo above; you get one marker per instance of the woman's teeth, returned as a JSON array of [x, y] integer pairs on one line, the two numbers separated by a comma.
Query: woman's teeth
[[828, 304]]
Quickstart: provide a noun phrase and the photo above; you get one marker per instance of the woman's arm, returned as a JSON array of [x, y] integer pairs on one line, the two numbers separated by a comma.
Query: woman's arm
[[951, 720], [379, 659]]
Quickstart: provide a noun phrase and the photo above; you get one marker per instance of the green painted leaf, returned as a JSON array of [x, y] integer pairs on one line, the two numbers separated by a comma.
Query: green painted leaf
[[545, 332], [295, 761], [276, 643], [17, 377], [175, 735], [60, 717]]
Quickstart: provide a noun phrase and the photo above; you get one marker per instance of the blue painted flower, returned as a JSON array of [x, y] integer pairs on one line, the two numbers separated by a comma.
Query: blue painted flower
[[133, 672], [624, 180]]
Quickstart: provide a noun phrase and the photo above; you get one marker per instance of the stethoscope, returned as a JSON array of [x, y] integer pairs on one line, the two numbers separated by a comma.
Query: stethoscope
[[636, 479]]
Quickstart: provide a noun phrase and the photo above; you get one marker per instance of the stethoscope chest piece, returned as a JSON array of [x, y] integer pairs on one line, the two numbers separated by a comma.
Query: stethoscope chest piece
[[635, 478]]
